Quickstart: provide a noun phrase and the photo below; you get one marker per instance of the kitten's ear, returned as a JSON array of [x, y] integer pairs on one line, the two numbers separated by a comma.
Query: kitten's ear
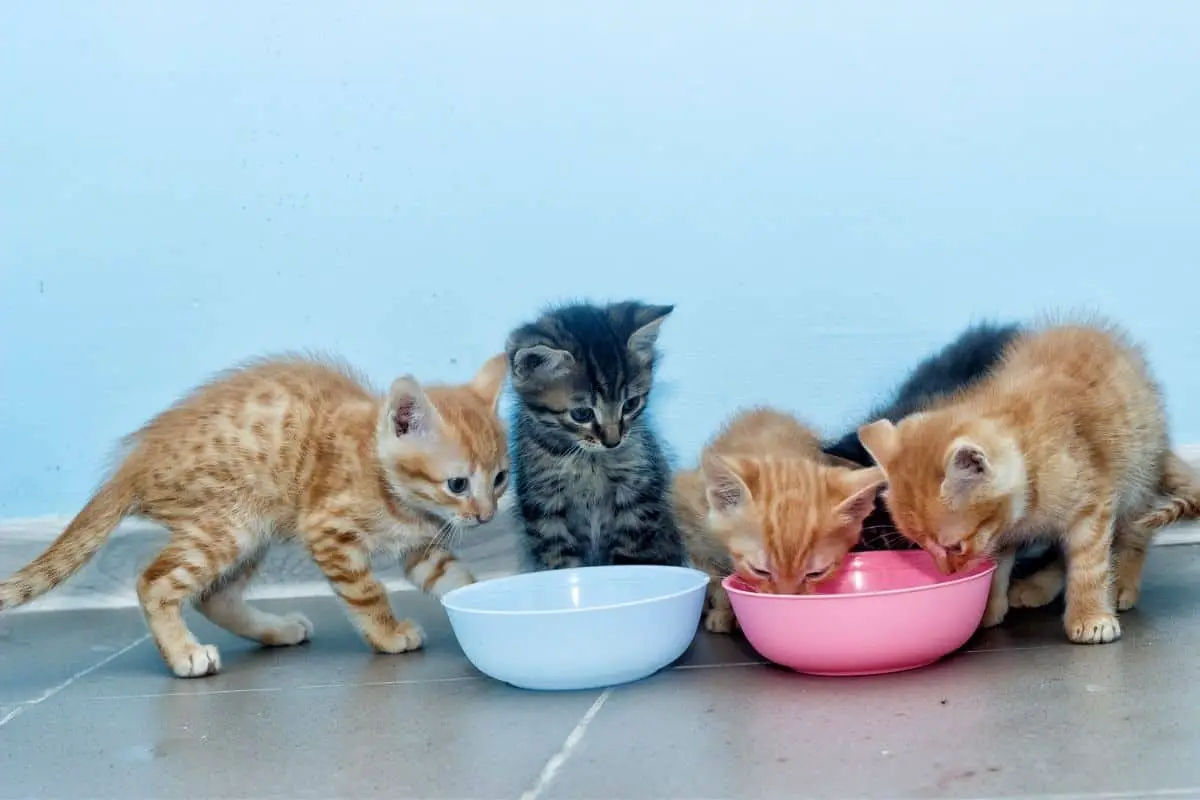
[[542, 363], [409, 411], [649, 319], [489, 381], [881, 440], [863, 486], [723, 486], [967, 467]]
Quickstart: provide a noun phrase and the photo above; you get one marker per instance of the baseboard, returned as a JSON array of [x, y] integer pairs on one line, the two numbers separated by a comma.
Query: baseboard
[[108, 580]]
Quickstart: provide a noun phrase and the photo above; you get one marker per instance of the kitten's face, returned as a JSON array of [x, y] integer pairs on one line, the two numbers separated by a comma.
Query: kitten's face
[[952, 490], [787, 523], [444, 449], [584, 373]]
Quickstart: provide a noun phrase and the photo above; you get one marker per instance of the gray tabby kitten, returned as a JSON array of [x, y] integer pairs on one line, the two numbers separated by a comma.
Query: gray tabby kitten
[[591, 480]]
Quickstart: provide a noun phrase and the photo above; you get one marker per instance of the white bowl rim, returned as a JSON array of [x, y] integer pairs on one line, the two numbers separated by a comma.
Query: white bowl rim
[[852, 595], [448, 598]]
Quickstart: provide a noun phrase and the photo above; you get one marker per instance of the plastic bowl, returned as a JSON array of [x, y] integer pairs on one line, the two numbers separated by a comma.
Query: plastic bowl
[[578, 628], [885, 611]]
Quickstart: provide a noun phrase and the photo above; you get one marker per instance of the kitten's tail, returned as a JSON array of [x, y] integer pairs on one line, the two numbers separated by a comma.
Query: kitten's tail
[[73, 548], [1179, 495]]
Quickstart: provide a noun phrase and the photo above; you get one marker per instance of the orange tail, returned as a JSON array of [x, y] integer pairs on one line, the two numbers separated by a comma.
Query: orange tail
[[73, 548], [1179, 499]]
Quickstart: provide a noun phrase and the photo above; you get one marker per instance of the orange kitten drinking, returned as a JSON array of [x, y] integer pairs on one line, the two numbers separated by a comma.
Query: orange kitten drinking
[[1066, 439], [768, 504], [293, 449]]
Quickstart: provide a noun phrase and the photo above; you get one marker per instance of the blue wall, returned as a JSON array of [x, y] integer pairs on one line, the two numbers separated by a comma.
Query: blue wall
[[826, 191]]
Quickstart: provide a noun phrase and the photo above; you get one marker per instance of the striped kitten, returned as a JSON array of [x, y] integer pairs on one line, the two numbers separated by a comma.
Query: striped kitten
[[1067, 438], [293, 449], [769, 505], [591, 479]]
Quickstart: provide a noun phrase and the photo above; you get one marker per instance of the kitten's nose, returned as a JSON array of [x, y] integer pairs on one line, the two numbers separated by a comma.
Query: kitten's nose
[[484, 516], [610, 436]]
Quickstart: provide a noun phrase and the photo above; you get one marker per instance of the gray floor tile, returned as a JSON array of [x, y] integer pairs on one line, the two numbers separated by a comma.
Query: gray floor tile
[[1064, 719], [472, 738], [41, 651], [335, 655]]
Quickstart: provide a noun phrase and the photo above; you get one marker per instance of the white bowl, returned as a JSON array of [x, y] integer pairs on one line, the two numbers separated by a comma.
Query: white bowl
[[578, 628]]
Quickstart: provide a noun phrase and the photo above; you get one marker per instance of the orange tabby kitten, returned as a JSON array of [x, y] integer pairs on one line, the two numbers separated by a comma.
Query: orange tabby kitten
[[1067, 438], [767, 503], [293, 449]]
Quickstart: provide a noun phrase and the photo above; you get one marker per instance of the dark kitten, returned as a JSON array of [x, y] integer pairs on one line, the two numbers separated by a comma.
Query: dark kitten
[[957, 365], [591, 480]]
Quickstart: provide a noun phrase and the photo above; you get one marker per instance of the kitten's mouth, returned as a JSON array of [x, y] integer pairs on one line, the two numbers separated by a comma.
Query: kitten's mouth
[[952, 559]]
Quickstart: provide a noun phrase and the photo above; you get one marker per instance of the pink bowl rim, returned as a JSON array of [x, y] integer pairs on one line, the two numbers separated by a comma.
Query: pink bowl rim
[[983, 569]]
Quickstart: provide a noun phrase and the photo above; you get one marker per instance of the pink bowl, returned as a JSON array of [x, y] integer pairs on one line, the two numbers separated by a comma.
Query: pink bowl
[[885, 611]]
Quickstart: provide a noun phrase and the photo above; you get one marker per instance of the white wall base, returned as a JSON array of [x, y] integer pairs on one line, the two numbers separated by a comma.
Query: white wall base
[[108, 581]]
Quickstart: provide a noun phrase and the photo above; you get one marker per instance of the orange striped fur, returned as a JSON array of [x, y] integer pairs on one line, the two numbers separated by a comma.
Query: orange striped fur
[[1067, 439], [769, 505], [294, 448]]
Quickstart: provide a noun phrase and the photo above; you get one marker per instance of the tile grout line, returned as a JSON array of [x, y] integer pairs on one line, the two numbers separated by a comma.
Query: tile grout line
[[83, 673], [556, 762], [305, 687], [276, 689]]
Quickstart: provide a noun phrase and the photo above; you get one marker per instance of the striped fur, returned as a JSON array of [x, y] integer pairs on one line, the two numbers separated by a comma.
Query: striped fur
[[592, 481], [293, 448], [769, 505], [1067, 438]]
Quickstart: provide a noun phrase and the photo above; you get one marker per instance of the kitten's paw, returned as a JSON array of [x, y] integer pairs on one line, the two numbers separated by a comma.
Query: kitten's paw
[[1095, 629], [197, 661], [406, 635], [720, 620], [292, 629], [1127, 597], [997, 610], [1031, 593]]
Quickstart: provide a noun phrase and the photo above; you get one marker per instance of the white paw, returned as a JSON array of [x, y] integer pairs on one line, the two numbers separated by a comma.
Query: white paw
[[1098, 629], [1127, 597], [293, 628], [720, 620], [407, 635], [1029, 593], [197, 662], [997, 610]]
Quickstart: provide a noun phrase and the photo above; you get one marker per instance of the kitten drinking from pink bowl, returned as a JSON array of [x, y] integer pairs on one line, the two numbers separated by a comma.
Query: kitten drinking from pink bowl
[[884, 611]]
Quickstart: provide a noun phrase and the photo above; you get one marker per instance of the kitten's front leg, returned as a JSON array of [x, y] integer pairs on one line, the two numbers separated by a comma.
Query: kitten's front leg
[[1090, 618], [341, 553], [997, 604], [652, 539], [436, 570], [549, 543]]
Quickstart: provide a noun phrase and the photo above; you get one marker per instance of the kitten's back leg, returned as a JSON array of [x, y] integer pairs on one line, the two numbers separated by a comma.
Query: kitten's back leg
[[224, 604], [198, 554], [1129, 551]]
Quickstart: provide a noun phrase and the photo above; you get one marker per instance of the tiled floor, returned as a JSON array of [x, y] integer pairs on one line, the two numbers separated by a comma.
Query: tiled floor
[[87, 710]]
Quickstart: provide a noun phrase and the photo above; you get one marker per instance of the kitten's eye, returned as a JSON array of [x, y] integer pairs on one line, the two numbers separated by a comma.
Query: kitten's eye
[[633, 404], [501, 476], [759, 573], [458, 485], [582, 415], [817, 575]]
